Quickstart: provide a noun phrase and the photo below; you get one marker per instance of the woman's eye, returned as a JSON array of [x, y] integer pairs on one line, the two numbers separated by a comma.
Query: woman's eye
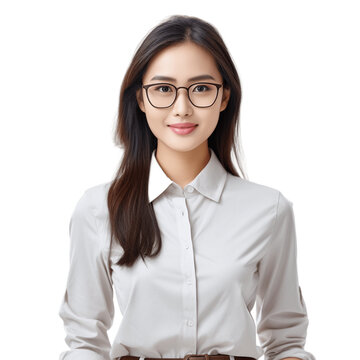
[[167, 88], [201, 86]]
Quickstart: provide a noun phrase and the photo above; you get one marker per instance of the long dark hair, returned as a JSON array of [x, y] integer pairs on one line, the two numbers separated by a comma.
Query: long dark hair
[[131, 217]]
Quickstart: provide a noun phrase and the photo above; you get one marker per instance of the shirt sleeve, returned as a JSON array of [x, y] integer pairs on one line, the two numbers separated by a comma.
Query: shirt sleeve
[[87, 308], [281, 314]]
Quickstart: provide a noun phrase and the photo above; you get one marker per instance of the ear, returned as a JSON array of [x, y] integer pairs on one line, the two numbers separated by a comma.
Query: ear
[[140, 100], [225, 98]]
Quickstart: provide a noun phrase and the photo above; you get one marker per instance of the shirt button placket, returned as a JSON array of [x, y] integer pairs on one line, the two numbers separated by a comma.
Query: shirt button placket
[[189, 276]]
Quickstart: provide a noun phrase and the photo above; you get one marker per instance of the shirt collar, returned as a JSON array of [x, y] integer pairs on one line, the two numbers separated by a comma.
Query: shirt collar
[[209, 182]]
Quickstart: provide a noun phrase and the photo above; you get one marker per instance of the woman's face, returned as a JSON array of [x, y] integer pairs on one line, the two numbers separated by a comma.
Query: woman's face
[[182, 62]]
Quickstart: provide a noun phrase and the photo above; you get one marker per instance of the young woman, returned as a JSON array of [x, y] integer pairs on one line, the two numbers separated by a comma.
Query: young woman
[[188, 245]]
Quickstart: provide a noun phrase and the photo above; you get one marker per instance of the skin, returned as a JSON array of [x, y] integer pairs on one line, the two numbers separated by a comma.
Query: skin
[[182, 157]]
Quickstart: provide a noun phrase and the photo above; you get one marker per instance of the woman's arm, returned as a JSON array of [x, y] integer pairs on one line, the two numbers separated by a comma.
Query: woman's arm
[[281, 312], [87, 308]]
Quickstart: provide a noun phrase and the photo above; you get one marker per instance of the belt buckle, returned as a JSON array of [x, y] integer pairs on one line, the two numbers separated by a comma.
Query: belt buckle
[[189, 356]]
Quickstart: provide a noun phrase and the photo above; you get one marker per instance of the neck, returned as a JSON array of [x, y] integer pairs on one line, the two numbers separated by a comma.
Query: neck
[[182, 166]]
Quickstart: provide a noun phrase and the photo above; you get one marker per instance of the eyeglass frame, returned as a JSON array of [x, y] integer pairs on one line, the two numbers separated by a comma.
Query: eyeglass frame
[[218, 86]]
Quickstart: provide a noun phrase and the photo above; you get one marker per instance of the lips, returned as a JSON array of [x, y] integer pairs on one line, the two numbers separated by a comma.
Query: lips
[[182, 130], [183, 125]]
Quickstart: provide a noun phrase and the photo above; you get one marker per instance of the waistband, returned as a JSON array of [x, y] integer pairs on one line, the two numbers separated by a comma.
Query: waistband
[[192, 357]]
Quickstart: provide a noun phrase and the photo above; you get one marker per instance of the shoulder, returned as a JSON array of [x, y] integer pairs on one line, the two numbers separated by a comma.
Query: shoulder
[[93, 200], [255, 193], [257, 198]]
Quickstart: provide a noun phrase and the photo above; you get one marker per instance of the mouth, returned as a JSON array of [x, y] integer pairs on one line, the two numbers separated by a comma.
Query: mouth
[[182, 127], [183, 130]]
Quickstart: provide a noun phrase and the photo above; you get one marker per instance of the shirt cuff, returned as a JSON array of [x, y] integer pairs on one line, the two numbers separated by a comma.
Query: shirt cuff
[[81, 354], [297, 353]]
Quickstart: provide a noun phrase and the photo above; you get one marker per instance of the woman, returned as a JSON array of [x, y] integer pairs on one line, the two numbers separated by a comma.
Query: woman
[[193, 245]]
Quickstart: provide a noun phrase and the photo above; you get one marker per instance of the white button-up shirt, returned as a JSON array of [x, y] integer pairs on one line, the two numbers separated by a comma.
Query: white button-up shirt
[[227, 244]]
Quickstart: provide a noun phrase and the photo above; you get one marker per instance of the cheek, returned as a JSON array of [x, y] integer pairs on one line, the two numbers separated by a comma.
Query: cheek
[[155, 120], [209, 121]]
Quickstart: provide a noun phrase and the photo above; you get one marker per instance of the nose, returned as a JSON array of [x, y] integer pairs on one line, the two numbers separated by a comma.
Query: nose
[[182, 105]]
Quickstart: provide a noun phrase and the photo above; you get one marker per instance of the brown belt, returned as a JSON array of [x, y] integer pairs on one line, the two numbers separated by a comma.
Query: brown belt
[[192, 357]]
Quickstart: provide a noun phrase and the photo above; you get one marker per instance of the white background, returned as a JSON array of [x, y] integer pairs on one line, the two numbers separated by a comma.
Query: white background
[[62, 65]]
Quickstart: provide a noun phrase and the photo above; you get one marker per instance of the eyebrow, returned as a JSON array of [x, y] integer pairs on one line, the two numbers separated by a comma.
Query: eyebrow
[[195, 78]]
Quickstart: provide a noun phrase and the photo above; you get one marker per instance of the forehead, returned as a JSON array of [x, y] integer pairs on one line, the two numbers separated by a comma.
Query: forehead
[[182, 61]]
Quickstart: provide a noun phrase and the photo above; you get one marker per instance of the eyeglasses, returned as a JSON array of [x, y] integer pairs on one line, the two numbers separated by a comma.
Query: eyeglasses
[[163, 95]]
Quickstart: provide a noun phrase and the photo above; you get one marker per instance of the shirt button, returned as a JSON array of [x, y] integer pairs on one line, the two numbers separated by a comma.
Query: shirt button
[[182, 213], [190, 189], [186, 246], [190, 323], [189, 282]]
